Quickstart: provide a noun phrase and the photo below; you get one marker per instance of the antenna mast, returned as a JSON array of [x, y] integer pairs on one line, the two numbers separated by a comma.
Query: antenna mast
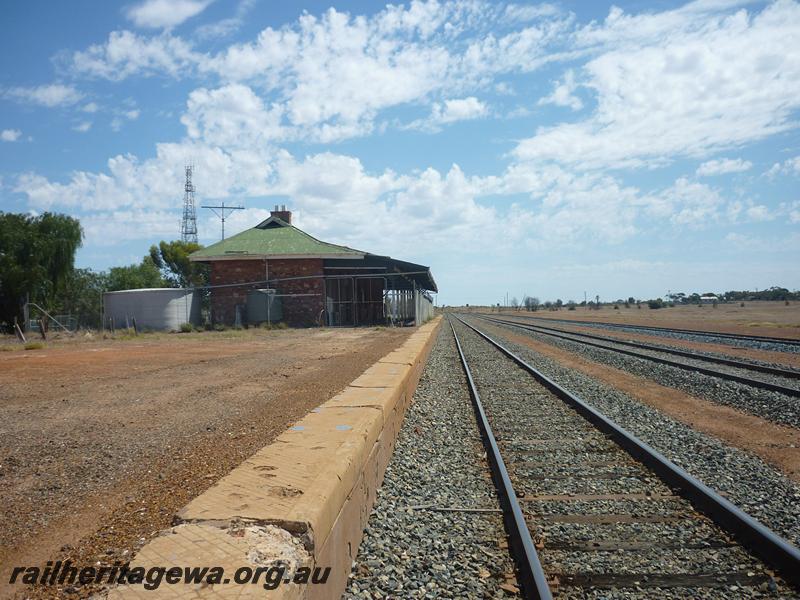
[[189, 222], [221, 214]]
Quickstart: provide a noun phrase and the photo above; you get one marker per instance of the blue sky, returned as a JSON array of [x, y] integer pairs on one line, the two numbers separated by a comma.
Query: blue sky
[[544, 149]]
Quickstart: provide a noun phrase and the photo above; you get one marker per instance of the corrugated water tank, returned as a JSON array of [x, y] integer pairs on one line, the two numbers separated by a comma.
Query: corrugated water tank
[[153, 308]]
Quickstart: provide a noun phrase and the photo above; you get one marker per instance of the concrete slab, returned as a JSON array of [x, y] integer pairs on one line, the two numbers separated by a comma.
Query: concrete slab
[[301, 480], [383, 375], [215, 546]]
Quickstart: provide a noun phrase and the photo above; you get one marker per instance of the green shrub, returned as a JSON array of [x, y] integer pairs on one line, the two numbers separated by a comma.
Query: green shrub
[[219, 327], [186, 328], [34, 346], [654, 304], [281, 325]]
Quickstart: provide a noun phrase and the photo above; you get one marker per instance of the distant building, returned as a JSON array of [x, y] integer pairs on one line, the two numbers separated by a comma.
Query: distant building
[[709, 299], [307, 281]]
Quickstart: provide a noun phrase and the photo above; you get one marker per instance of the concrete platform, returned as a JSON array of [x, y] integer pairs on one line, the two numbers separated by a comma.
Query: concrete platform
[[303, 501]]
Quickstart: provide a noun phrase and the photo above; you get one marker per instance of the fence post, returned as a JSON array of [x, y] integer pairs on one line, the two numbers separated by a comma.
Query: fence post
[[18, 331]]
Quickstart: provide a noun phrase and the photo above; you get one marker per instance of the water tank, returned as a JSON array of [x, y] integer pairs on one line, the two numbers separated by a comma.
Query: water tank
[[153, 308], [262, 305]]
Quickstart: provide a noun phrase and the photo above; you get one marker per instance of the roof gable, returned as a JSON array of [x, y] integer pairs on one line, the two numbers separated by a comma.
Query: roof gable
[[272, 222]]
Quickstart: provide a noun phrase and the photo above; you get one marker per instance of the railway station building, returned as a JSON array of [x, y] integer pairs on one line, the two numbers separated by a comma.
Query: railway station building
[[277, 272]]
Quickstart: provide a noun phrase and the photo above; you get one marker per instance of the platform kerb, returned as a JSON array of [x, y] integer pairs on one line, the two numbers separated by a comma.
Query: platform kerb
[[299, 481], [313, 488]]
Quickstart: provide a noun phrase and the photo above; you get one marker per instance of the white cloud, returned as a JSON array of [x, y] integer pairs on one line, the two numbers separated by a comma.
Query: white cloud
[[688, 203], [563, 93], [10, 135], [332, 74], [788, 167], [123, 115], [97, 227], [791, 210], [157, 14], [232, 116], [450, 111], [722, 166], [126, 54], [521, 13], [52, 95], [674, 84], [90, 108], [83, 127], [226, 27], [759, 213], [459, 109], [152, 184], [327, 78]]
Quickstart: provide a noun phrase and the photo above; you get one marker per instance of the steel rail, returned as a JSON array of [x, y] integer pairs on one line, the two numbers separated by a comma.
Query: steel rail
[[766, 385], [699, 332], [739, 364], [532, 577], [763, 542]]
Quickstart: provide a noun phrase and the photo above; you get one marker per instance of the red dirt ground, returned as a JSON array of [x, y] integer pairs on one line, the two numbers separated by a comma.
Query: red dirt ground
[[103, 441]]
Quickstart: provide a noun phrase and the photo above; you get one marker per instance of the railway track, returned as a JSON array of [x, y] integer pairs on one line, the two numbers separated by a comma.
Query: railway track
[[790, 342], [613, 346], [592, 511]]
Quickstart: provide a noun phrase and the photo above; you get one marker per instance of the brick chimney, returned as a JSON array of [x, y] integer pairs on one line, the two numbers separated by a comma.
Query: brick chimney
[[282, 213]]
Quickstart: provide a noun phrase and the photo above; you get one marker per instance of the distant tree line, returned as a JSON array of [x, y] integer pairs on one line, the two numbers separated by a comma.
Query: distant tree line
[[37, 257], [775, 293]]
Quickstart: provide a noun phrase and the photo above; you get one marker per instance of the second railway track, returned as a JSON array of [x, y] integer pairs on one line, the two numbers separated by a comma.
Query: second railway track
[[608, 515], [784, 384], [791, 344]]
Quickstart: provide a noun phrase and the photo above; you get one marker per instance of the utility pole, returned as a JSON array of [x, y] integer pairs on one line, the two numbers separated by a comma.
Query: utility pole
[[221, 214]]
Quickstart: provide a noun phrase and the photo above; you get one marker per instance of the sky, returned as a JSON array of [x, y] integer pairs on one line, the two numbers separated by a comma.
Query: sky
[[549, 149]]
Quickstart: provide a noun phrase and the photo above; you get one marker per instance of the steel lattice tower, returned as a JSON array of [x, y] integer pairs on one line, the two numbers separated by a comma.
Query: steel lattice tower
[[189, 222]]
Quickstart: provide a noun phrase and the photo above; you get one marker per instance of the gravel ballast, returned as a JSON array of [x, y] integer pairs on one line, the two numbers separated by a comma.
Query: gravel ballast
[[668, 347], [773, 406], [743, 478], [419, 542], [536, 432], [709, 337]]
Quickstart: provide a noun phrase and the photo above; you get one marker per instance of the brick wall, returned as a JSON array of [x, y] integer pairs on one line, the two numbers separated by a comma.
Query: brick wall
[[301, 310], [297, 311]]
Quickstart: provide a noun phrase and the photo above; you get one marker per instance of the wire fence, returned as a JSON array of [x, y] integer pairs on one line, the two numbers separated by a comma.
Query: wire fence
[[390, 304]]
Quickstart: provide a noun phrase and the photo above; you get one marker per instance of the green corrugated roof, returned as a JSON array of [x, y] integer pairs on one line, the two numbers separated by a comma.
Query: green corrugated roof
[[273, 237]]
